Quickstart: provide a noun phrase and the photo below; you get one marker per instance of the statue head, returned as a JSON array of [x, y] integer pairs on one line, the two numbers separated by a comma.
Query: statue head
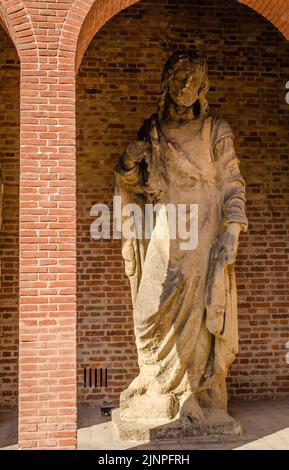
[[185, 82]]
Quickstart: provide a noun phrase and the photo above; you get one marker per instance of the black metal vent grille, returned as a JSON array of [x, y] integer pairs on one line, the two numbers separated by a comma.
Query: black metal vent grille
[[95, 377]]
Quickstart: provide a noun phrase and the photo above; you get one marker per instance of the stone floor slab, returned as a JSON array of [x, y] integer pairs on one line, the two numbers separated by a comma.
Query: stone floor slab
[[265, 424]]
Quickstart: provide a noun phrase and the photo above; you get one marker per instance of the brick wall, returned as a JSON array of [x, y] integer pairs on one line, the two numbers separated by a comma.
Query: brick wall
[[50, 39], [117, 87], [9, 238]]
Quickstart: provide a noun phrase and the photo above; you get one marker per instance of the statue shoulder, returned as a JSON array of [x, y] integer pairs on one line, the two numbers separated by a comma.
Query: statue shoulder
[[220, 129]]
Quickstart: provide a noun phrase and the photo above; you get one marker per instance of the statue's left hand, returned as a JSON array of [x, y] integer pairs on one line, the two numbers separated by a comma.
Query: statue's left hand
[[129, 258], [227, 243]]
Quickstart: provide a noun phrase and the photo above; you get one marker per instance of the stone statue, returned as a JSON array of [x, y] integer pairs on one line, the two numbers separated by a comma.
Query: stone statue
[[185, 303]]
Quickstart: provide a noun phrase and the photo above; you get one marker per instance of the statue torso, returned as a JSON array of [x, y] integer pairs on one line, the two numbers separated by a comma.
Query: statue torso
[[186, 162]]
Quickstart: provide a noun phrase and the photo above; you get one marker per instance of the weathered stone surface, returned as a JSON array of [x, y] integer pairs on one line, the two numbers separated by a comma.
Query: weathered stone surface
[[216, 423], [184, 294]]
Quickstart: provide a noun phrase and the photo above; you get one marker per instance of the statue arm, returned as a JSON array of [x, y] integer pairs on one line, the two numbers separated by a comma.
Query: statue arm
[[233, 185], [131, 167], [128, 179], [130, 176]]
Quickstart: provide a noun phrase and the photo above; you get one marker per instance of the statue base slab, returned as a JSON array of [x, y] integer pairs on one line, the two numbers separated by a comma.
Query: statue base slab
[[216, 423]]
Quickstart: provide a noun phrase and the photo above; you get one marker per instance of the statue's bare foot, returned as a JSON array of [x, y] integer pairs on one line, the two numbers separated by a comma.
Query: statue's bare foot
[[137, 387]]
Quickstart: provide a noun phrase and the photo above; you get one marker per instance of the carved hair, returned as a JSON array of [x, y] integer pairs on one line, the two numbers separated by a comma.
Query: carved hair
[[169, 70]]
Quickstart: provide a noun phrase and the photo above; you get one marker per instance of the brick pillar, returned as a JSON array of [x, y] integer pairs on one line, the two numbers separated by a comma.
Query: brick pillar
[[47, 353]]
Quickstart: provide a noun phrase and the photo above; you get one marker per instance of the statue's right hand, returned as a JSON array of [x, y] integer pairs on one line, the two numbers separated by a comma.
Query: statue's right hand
[[135, 152]]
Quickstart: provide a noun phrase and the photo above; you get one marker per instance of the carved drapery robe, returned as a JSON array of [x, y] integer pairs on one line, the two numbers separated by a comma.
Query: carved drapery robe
[[185, 304]]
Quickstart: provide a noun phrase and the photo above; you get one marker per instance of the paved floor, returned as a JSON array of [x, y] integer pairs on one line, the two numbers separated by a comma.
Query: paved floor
[[265, 424], [8, 430]]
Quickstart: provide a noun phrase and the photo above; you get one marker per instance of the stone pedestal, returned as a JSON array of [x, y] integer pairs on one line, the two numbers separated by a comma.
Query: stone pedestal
[[215, 423]]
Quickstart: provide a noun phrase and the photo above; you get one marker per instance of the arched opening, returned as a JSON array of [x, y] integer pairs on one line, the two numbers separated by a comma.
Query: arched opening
[[9, 238], [92, 18], [117, 88]]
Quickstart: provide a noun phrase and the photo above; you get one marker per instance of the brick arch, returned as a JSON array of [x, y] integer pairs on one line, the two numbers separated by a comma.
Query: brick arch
[[5, 22], [85, 18], [275, 11], [83, 21], [16, 21], [2, 22]]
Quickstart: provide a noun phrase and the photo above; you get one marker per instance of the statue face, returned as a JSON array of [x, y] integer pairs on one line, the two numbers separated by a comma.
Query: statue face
[[185, 84]]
